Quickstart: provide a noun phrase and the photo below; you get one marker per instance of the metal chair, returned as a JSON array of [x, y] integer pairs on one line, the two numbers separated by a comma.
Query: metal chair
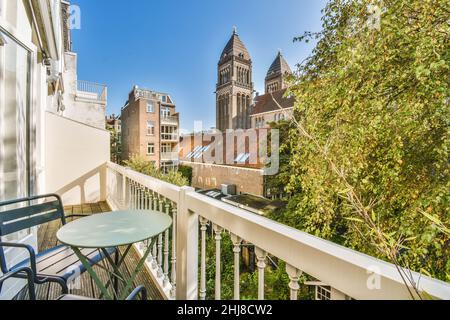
[[58, 264], [30, 275]]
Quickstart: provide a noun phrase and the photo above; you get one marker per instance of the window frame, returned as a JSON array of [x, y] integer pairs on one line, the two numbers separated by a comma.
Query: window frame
[[149, 144]]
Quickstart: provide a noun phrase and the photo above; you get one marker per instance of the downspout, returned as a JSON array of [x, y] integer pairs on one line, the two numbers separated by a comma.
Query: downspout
[[38, 34]]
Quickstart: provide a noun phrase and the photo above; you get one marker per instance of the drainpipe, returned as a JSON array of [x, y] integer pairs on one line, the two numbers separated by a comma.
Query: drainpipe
[[38, 34]]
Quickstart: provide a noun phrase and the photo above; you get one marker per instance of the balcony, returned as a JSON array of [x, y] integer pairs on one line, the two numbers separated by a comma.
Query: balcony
[[176, 268], [176, 256], [169, 137], [169, 156], [169, 120], [91, 92]]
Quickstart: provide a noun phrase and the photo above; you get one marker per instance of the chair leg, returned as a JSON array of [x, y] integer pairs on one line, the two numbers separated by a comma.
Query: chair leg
[[63, 284], [116, 262]]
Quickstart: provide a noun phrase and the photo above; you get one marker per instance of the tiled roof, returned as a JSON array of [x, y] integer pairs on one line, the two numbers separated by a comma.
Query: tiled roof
[[235, 47], [279, 67], [265, 103]]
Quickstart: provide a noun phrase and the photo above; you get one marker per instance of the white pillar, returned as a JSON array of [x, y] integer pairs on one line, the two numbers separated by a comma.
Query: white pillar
[[294, 275], [166, 250], [174, 252], [187, 249], [237, 251], [218, 238], [261, 256], [203, 228]]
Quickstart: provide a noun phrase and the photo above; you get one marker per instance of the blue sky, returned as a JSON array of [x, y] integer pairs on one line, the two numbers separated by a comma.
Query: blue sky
[[173, 46]]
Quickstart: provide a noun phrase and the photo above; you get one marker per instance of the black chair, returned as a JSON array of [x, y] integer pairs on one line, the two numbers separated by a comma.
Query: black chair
[[58, 264], [29, 274]]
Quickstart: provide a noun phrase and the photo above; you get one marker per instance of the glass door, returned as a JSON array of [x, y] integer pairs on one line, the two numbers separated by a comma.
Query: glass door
[[14, 122]]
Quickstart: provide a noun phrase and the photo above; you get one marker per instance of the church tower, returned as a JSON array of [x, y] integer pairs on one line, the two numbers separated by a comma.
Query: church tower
[[275, 79], [234, 92]]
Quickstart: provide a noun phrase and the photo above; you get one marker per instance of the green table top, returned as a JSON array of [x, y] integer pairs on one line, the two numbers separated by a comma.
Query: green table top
[[114, 229]]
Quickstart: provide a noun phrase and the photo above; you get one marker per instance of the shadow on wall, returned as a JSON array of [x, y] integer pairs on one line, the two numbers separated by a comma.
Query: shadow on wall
[[89, 188]]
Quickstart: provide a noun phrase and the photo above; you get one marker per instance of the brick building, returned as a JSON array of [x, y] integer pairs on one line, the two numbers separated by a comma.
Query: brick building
[[150, 126]]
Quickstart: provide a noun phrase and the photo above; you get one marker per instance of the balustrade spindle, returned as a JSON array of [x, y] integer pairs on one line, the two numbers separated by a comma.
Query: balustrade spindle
[[142, 196], [124, 191], [174, 251], [294, 276], [218, 237], [166, 249], [237, 251], [203, 228], [155, 245], [130, 195], [135, 198], [261, 256], [160, 243]]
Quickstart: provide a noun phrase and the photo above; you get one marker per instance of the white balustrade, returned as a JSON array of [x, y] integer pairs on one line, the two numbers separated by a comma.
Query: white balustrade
[[203, 228], [294, 276], [237, 251], [218, 237], [261, 257], [318, 258]]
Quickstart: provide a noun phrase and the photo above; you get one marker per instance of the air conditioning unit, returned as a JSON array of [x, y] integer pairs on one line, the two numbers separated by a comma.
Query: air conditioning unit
[[229, 189]]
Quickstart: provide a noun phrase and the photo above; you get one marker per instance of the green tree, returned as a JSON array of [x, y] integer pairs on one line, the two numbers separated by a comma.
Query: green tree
[[371, 132], [146, 167]]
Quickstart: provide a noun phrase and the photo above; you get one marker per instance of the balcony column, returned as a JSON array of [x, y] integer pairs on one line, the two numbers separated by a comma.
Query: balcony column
[[125, 194], [203, 228], [237, 252], [218, 237], [155, 249], [149, 207], [261, 256], [166, 249], [294, 275], [174, 252], [187, 249], [160, 243]]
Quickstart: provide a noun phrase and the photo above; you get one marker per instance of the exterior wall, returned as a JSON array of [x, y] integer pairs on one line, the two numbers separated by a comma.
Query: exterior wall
[[74, 156], [230, 119], [135, 137], [80, 109], [209, 176]]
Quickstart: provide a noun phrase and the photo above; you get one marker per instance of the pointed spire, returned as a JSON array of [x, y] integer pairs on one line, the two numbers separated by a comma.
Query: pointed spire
[[235, 47], [279, 66]]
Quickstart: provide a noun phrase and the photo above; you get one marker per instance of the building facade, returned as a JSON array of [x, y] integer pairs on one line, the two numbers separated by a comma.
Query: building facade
[[273, 105], [150, 126], [234, 90]]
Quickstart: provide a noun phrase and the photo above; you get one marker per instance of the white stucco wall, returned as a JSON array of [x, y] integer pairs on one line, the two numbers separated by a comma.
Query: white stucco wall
[[74, 156]]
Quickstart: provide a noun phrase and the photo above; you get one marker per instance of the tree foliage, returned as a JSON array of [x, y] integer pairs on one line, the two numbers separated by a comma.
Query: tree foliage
[[373, 99], [139, 164]]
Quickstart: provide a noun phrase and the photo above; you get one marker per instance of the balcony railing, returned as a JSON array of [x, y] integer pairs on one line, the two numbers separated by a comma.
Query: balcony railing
[[92, 91], [169, 120], [173, 137], [174, 261], [169, 156]]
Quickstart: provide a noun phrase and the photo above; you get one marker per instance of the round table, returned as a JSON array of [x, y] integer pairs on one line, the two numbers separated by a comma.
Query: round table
[[112, 230]]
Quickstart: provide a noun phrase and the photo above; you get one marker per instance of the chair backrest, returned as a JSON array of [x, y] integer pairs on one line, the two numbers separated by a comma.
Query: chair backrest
[[31, 215]]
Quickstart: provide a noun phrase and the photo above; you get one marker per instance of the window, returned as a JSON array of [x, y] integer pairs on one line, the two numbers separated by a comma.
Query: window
[[151, 148], [323, 293], [16, 136], [242, 157], [166, 148], [164, 98], [150, 128], [165, 112], [150, 107]]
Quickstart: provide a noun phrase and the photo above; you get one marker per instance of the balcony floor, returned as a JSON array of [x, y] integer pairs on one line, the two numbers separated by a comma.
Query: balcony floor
[[47, 239]]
